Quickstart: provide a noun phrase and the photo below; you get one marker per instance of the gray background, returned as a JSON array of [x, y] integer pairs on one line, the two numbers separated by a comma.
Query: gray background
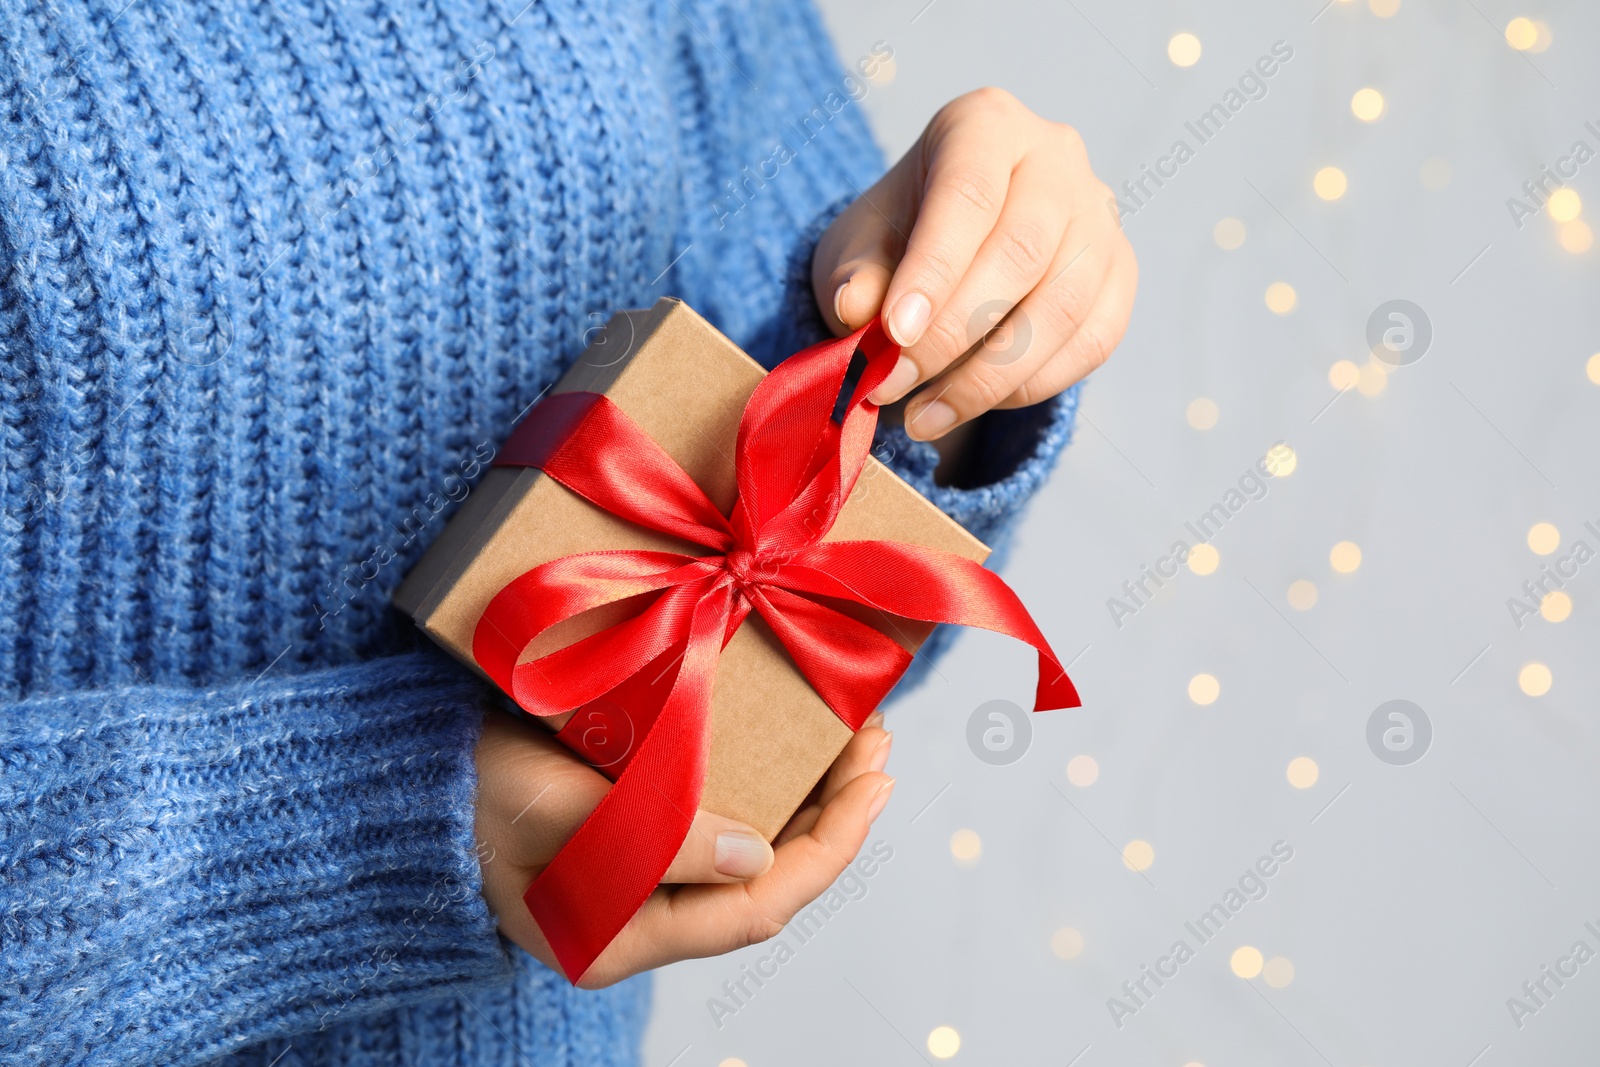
[[1422, 896]]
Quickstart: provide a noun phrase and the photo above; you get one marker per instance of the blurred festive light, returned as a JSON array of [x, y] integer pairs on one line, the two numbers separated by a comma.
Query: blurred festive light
[[1082, 771], [1564, 204], [1384, 8], [1367, 105], [1204, 559], [884, 73], [966, 846], [1545, 37], [1434, 174], [1302, 595], [1302, 772], [1066, 943], [1345, 557], [1277, 972], [1343, 375], [1534, 679], [1576, 236], [1372, 378], [1330, 184], [1202, 413], [1543, 538], [732, 1061], [1138, 855], [1228, 233], [944, 1042], [1555, 607], [1281, 461], [1204, 689], [1521, 33], [1280, 297], [1184, 49], [1246, 961], [1592, 368]]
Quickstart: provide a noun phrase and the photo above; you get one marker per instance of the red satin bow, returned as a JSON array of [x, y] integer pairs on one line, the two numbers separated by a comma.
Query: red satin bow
[[795, 468]]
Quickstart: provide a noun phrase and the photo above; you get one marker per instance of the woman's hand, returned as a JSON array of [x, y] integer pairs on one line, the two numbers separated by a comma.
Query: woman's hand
[[991, 236], [727, 888]]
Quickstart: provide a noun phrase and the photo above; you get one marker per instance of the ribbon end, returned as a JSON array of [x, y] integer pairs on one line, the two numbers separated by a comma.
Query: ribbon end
[[1055, 691]]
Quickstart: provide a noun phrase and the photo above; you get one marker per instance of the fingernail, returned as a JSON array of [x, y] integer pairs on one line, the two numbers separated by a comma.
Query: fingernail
[[742, 855], [908, 318], [880, 799], [880, 755], [875, 719], [897, 384], [931, 420], [838, 301]]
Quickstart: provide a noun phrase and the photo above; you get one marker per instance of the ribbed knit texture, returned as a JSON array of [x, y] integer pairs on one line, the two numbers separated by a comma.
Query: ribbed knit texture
[[272, 272]]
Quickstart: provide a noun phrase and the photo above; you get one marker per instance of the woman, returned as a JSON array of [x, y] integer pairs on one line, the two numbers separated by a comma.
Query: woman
[[275, 278]]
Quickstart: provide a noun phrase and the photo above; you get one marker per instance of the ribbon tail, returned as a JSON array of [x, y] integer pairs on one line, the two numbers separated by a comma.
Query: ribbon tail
[[915, 582], [606, 872]]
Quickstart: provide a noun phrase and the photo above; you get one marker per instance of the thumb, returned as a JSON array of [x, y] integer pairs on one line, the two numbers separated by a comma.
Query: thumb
[[719, 850], [857, 255]]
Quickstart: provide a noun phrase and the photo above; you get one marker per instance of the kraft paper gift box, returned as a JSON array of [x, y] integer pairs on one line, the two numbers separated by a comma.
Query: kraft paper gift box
[[685, 384]]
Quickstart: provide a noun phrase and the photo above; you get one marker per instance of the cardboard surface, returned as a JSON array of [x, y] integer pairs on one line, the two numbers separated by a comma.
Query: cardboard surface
[[686, 385]]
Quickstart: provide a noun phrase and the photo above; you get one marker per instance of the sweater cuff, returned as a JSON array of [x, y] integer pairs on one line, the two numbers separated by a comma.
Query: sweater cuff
[[1013, 452], [203, 870]]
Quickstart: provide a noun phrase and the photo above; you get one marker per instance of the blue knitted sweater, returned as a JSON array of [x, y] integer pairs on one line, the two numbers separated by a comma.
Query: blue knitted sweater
[[274, 274]]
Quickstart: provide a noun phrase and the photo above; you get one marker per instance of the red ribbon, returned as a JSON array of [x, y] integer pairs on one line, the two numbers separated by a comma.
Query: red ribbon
[[795, 468]]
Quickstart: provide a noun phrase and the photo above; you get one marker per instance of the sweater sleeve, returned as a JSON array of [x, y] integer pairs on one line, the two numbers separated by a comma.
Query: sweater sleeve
[[187, 872]]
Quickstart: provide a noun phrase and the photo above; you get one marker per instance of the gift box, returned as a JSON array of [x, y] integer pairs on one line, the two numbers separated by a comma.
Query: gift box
[[704, 584], [685, 385]]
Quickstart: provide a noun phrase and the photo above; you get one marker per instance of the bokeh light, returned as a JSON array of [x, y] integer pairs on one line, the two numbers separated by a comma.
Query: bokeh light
[[1576, 236], [1384, 9], [1202, 413], [1345, 557], [1564, 204], [1343, 375], [1204, 559], [1543, 538], [1281, 297], [1277, 972], [1066, 943], [1521, 33], [1367, 105], [1204, 689], [1302, 772], [966, 846], [1246, 961], [1534, 679], [1229, 233], [1083, 771], [1592, 368], [1555, 606], [1138, 855], [1372, 378], [943, 1042], [1184, 49], [1302, 595], [1330, 184], [1434, 174], [1281, 461]]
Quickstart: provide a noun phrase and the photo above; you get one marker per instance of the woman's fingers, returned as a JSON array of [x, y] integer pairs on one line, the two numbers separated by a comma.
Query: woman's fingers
[[1091, 343], [1012, 258], [706, 920], [719, 850], [1076, 296], [968, 176]]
